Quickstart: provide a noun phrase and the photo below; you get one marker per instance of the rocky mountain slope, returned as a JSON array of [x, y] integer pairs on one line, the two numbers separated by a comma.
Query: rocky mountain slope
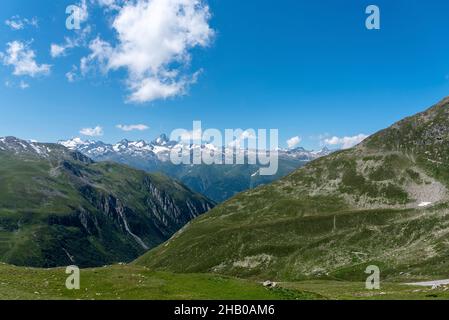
[[58, 207], [217, 182], [384, 202]]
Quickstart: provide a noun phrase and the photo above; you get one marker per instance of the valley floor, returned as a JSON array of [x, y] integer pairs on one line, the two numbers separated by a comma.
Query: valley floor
[[133, 282]]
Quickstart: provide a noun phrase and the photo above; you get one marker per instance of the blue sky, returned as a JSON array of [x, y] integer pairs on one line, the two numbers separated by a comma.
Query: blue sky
[[309, 68]]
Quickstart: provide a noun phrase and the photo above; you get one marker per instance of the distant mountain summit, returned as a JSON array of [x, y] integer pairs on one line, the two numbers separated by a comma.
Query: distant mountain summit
[[161, 140], [217, 182]]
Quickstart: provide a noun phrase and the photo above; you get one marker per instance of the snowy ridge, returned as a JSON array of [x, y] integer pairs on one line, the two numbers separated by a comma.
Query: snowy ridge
[[19, 146], [160, 149]]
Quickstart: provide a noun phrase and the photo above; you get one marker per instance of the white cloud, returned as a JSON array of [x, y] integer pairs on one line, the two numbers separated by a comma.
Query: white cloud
[[133, 127], [23, 85], [154, 39], [152, 89], [83, 12], [293, 142], [22, 58], [92, 132], [58, 50], [345, 142], [18, 23], [13, 84], [15, 25], [72, 74], [101, 51]]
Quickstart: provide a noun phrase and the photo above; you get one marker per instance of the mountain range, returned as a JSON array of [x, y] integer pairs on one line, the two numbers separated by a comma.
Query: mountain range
[[217, 182], [384, 202], [58, 207]]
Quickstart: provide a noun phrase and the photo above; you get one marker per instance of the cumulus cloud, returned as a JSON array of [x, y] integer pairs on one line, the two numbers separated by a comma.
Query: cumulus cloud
[[293, 142], [345, 142], [18, 23], [92, 132], [154, 42], [22, 59], [150, 89], [133, 127]]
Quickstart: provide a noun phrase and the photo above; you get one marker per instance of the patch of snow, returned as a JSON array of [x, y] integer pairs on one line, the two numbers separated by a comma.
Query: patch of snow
[[158, 149], [36, 148], [424, 204], [73, 143], [430, 283], [255, 173]]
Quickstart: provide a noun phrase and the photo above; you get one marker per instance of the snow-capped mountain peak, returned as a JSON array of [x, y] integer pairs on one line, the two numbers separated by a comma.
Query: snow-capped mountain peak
[[162, 140], [73, 143]]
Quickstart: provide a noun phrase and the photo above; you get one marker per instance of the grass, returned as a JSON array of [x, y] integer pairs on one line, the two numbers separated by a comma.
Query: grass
[[123, 282], [303, 247], [345, 290], [127, 282]]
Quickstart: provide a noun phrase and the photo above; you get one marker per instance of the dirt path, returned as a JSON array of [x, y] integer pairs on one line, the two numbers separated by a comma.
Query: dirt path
[[430, 283]]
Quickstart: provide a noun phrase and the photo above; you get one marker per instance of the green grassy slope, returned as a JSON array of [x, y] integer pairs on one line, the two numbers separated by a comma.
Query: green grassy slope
[[58, 208], [222, 182], [335, 215]]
